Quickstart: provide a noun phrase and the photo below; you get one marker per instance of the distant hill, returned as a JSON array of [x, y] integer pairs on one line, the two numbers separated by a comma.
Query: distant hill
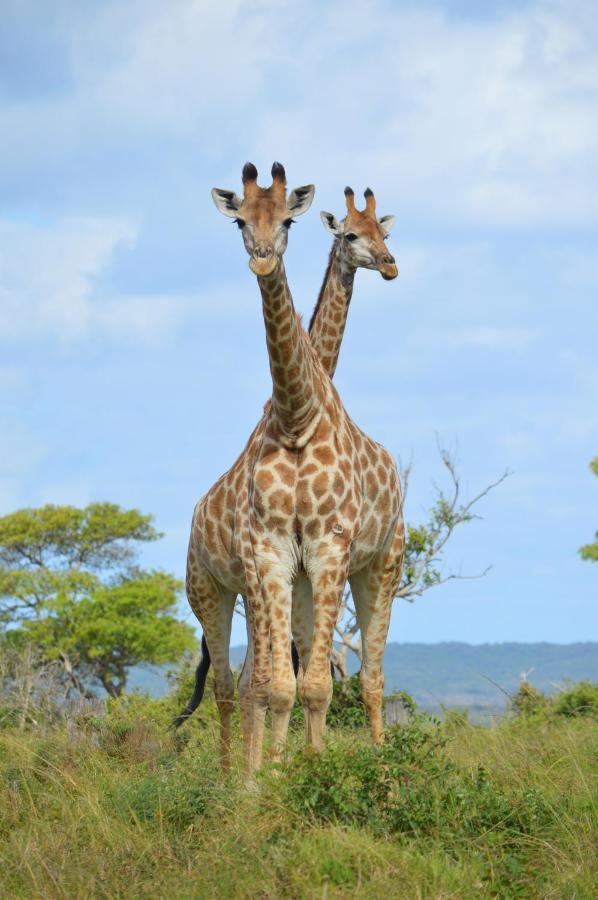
[[455, 674]]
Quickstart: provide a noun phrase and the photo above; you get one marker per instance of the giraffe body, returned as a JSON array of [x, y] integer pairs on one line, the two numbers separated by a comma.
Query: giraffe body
[[310, 502]]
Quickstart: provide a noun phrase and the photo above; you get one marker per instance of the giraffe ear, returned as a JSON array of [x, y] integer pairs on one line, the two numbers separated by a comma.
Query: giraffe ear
[[227, 202], [300, 199], [331, 223], [386, 222]]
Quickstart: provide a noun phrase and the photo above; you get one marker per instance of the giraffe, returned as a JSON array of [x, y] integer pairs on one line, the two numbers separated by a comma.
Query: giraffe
[[322, 498], [358, 243]]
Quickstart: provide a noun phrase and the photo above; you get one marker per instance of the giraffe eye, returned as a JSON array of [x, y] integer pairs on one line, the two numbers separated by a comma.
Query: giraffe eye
[[351, 237], [240, 223], [288, 222]]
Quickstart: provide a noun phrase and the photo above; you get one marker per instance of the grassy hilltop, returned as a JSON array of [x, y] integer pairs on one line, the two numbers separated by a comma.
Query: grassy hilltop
[[118, 807]]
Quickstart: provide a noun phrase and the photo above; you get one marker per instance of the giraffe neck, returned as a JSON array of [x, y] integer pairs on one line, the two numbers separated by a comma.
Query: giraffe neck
[[296, 386], [329, 317]]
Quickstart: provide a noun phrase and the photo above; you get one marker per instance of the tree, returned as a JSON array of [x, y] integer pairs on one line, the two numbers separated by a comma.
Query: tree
[[69, 587], [423, 555], [590, 551]]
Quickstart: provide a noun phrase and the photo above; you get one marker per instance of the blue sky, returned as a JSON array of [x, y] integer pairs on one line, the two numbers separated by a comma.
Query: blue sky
[[132, 354]]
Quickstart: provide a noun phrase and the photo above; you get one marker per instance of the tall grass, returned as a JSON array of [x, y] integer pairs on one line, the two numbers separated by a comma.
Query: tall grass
[[120, 808]]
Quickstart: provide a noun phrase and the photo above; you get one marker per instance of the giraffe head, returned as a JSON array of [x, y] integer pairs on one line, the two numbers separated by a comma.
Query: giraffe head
[[362, 235], [264, 215]]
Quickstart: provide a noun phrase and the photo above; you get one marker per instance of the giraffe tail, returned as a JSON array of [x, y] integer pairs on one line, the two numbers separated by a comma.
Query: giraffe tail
[[296, 663], [200, 682]]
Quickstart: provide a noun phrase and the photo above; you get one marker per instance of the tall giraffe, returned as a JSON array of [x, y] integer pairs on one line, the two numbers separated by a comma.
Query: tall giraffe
[[322, 498], [359, 242]]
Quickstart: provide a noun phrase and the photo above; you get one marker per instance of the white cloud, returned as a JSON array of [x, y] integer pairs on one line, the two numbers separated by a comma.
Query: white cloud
[[486, 121], [47, 285], [492, 122]]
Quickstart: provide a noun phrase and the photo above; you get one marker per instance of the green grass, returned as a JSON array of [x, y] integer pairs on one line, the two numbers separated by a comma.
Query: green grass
[[119, 808]]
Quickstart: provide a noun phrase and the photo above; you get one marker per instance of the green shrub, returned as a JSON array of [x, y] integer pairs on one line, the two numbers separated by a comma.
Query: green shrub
[[346, 708], [410, 786], [529, 701], [580, 699]]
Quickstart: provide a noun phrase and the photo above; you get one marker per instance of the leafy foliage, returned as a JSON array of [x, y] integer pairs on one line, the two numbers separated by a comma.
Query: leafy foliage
[[529, 701], [579, 699], [95, 537], [410, 786], [69, 587], [346, 708], [590, 551]]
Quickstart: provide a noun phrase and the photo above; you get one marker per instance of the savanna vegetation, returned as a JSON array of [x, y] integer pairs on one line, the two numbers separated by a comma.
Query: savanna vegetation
[[110, 803], [99, 797]]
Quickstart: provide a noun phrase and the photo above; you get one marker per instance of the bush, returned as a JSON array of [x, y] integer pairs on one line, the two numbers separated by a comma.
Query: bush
[[409, 786], [529, 701], [580, 699], [346, 708]]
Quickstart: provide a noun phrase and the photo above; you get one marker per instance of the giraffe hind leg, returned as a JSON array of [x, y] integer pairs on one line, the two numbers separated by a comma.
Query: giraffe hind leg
[[214, 606], [373, 592]]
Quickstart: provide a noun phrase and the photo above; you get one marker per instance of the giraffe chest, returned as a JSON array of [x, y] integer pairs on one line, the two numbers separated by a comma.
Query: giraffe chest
[[309, 494]]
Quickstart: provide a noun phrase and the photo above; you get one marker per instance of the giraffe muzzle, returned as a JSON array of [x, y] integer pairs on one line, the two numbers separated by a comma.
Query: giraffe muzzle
[[388, 268], [263, 261]]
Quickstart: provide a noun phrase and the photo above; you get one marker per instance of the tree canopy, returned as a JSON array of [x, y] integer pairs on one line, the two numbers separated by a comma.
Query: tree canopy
[[590, 551], [69, 585]]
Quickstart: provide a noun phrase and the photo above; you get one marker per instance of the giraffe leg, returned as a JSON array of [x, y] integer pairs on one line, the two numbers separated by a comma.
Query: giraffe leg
[[277, 593], [214, 606], [246, 700], [328, 582], [302, 626], [256, 678], [373, 590]]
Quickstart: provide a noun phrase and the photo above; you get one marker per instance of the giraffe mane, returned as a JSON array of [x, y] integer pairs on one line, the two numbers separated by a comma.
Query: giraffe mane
[[321, 294]]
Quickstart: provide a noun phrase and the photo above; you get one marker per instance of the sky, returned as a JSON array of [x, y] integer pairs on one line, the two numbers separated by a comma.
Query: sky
[[132, 354]]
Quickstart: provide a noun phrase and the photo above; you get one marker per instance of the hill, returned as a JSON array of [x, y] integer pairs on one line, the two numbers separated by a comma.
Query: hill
[[455, 674]]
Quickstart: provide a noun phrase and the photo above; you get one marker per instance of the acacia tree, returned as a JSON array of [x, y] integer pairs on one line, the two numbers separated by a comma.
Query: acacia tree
[[590, 551], [70, 587], [422, 567]]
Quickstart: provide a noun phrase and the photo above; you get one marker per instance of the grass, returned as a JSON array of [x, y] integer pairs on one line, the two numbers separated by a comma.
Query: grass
[[119, 808]]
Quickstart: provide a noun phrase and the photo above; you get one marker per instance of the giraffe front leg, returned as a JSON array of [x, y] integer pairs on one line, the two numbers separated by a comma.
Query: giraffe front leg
[[302, 626], [328, 582], [255, 681], [244, 686], [277, 593]]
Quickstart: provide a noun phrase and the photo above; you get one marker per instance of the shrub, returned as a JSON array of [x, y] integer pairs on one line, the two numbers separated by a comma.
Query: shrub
[[529, 701], [580, 699], [410, 786], [346, 708]]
